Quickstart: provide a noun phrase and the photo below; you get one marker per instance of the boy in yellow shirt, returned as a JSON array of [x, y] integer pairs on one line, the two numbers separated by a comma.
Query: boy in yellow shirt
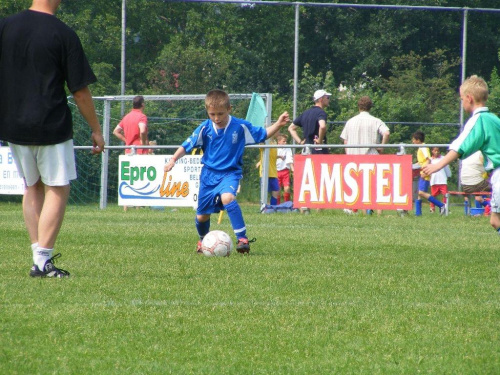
[[424, 158]]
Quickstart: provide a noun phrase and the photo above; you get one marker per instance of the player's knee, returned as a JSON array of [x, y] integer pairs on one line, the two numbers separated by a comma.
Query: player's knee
[[227, 198], [202, 218]]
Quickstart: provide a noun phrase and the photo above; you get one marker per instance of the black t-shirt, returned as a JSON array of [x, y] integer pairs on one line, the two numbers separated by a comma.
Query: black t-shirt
[[309, 122], [38, 54]]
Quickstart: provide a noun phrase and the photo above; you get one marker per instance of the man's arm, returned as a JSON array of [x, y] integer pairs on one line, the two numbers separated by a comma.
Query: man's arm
[[292, 129], [321, 132], [83, 100], [143, 132], [385, 137], [118, 133], [385, 140]]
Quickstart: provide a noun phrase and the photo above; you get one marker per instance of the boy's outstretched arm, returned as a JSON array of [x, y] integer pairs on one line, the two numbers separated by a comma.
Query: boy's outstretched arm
[[179, 153], [274, 128], [447, 159]]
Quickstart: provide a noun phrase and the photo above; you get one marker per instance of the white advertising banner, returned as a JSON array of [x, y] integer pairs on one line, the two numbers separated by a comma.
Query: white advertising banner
[[10, 182], [142, 181]]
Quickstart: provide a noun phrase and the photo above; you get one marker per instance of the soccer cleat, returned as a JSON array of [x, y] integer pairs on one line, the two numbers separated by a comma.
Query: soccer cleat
[[243, 245], [198, 247], [443, 211], [432, 210], [49, 270]]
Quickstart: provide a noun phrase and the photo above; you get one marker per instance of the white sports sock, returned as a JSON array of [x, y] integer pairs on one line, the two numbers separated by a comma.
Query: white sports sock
[[34, 246], [41, 256]]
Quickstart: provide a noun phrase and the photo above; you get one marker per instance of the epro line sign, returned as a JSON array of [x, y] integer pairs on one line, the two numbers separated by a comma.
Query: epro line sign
[[10, 182], [142, 181], [353, 181]]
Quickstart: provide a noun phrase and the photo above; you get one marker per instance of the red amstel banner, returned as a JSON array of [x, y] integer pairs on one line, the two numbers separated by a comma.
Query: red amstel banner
[[353, 181]]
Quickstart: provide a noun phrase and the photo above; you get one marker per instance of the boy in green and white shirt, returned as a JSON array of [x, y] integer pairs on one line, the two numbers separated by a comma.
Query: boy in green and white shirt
[[481, 133]]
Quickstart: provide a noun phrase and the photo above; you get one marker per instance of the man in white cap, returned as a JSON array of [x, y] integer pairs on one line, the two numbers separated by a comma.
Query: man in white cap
[[313, 123]]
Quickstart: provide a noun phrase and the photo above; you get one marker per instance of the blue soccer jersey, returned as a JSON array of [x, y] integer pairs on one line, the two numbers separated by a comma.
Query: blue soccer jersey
[[223, 148]]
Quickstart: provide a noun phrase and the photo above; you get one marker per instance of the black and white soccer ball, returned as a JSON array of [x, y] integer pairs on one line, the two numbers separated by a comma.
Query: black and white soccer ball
[[217, 243]]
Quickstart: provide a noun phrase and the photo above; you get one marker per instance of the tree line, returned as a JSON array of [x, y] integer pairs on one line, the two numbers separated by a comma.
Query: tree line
[[407, 61]]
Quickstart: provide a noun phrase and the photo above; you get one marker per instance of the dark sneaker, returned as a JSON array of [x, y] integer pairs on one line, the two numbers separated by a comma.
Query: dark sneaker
[[49, 270], [243, 245], [198, 247], [443, 211]]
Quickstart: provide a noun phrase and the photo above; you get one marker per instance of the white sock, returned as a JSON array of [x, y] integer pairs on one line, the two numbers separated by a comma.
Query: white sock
[[41, 256], [34, 246]]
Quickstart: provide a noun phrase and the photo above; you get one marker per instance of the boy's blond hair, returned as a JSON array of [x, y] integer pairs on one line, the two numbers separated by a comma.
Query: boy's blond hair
[[217, 98], [281, 136], [476, 87]]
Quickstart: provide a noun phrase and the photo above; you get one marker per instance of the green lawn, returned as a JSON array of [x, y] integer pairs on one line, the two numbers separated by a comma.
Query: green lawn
[[319, 294]]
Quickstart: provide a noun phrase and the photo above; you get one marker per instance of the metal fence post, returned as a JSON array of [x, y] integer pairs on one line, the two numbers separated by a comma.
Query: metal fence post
[[105, 155]]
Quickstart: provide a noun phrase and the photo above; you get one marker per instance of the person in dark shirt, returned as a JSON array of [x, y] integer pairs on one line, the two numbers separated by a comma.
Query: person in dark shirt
[[39, 54], [313, 124]]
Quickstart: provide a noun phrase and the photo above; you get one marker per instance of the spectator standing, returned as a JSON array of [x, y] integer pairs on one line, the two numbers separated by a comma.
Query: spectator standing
[[313, 124], [39, 55], [364, 129], [424, 158], [284, 165], [439, 180], [133, 128]]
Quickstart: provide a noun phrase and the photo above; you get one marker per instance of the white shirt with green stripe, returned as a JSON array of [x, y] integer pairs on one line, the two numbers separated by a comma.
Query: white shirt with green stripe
[[481, 132]]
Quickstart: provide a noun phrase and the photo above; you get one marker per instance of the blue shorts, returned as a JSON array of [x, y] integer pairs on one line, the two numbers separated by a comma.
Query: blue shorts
[[423, 185], [212, 185], [272, 184]]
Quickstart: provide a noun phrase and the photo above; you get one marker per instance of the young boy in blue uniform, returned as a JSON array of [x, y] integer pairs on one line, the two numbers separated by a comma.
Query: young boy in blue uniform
[[222, 139], [481, 132]]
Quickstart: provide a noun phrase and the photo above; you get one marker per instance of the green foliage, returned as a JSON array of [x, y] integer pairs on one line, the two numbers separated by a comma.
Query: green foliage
[[494, 96], [407, 61], [421, 89]]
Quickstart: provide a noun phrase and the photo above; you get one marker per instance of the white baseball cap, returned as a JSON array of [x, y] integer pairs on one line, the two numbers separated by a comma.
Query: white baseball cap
[[319, 94]]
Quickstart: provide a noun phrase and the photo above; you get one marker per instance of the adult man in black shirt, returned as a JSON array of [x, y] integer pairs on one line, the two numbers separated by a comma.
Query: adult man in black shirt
[[39, 54], [313, 123]]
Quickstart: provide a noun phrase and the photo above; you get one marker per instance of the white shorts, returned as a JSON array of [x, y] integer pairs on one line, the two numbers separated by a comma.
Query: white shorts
[[495, 191], [55, 164]]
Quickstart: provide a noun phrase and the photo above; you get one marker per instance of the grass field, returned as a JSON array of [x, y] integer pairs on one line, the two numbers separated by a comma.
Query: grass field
[[319, 294]]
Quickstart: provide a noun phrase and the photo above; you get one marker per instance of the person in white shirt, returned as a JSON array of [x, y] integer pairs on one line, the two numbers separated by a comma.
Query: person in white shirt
[[284, 164], [364, 129], [439, 179]]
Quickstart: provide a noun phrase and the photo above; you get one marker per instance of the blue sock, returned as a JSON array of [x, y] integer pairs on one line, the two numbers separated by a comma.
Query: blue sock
[[274, 201], [435, 201], [202, 227], [236, 218], [418, 207]]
